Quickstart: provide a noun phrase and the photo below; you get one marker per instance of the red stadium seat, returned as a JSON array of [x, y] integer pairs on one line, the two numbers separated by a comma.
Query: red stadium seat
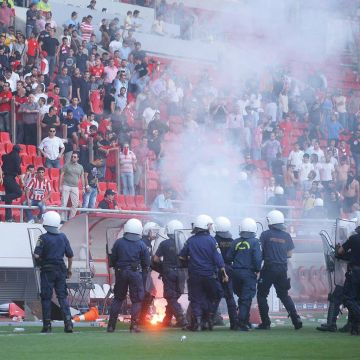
[[54, 173], [2, 148], [31, 150], [112, 186], [55, 198], [102, 186], [38, 161], [23, 150], [120, 199], [8, 147], [140, 203], [130, 202], [26, 159], [5, 137], [55, 185]]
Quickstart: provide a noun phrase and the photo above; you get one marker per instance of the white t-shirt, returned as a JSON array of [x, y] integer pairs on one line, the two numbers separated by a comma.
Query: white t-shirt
[[305, 168], [326, 171], [148, 114], [295, 158], [115, 45], [51, 147]]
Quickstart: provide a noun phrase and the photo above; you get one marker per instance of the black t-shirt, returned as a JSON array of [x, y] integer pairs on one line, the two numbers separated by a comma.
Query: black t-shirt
[[81, 62], [72, 126], [108, 99], [49, 45], [353, 244], [49, 120], [93, 174]]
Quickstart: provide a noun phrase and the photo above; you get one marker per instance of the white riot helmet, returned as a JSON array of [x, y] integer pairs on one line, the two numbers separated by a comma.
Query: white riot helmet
[[133, 226], [150, 227], [248, 225], [243, 176], [203, 222], [51, 222], [319, 202], [275, 217], [173, 226], [279, 190], [222, 224]]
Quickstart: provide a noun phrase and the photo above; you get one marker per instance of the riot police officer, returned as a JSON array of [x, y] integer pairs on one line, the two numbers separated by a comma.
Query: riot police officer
[[277, 247], [49, 255], [204, 259], [352, 282], [131, 261], [150, 232], [171, 275], [246, 257], [224, 239]]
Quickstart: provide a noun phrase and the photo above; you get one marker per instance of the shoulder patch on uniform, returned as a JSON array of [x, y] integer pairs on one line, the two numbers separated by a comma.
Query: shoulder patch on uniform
[[243, 245]]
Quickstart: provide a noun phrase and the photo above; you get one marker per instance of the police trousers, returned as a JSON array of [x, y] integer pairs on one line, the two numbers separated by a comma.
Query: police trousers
[[172, 292], [352, 293], [244, 281], [132, 281], [278, 278], [205, 293], [54, 279]]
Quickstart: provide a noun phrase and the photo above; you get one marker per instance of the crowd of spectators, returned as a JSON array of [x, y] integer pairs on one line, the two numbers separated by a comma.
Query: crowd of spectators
[[296, 139]]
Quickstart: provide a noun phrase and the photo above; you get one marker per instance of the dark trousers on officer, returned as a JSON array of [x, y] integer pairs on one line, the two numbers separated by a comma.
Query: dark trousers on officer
[[352, 294], [127, 279], [12, 192], [228, 293], [172, 293], [278, 278], [204, 295], [148, 297], [54, 279], [244, 281]]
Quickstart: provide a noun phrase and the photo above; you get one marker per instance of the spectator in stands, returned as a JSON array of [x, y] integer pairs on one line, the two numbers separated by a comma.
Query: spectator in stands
[[351, 192], [314, 159], [305, 169], [30, 113], [157, 124], [334, 128], [86, 28], [52, 148], [5, 107], [38, 192], [28, 176], [51, 45], [50, 119], [290, 182], [64, 82], [127, 160], [77, 110], [92, 4], [93, 173], [340, 105], [72, 175], [163, 201], [355, 150], [270, 189], [342, 171], [109, 201], [270, 149], [278, 169], [6, 17], [295, 157], [72, 128], [10, 170], [327, 171], [73, 21], [115, 44], [304, 139]]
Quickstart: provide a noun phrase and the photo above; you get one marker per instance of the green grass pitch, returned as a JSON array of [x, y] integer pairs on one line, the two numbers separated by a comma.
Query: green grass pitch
[[281, 342]]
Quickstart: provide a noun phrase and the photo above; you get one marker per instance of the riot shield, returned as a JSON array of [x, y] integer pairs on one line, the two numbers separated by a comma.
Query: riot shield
[[329, 254], [181, 237], [343, 229], [161, 236]]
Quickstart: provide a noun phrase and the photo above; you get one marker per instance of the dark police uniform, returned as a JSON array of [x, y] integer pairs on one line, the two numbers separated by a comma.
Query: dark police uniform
[[51, 249], [224, 241], [352, 282], [149, 287], [172, 279], [131, 260], [275, 244], [204, 260], [246, 257], [11, 169]]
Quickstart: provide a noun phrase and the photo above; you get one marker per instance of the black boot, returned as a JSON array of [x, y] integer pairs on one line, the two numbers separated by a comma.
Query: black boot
[[355, 329], [210, 322], [197, 324], [234, 325], [181, 322], [346, 328], [331, 319], [263, 326], [68, 326], [111, 325], [327, 327], [134, 328], [46, 327], [296, 320]]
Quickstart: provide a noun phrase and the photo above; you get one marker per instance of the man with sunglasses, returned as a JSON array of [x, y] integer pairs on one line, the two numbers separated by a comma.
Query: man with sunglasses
[[52, 148]]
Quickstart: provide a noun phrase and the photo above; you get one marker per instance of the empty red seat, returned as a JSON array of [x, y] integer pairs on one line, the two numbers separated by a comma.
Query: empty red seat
[[5, 137], [26, 159], [54, 173], [2, 148], [8, 147], [38, 161], [130, 202], [55, 198], [120, 199], [140, 203], [55, 185], [102, 186], [31, 150], [152, 185]]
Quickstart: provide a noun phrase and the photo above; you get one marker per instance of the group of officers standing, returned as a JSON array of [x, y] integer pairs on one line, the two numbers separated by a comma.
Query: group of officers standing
[[217, 267]]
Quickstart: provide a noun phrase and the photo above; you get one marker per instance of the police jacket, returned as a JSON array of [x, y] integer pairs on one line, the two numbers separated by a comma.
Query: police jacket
[[52, 248], [203, 254], [245, 253], [224, 240], [147, 242], [129, 252], [353, 244], [167, 250], [275, 245], [11, 164]]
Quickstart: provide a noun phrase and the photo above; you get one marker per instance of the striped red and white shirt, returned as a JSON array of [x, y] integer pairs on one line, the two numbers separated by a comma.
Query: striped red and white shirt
[[86, 30], [38, 188]]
